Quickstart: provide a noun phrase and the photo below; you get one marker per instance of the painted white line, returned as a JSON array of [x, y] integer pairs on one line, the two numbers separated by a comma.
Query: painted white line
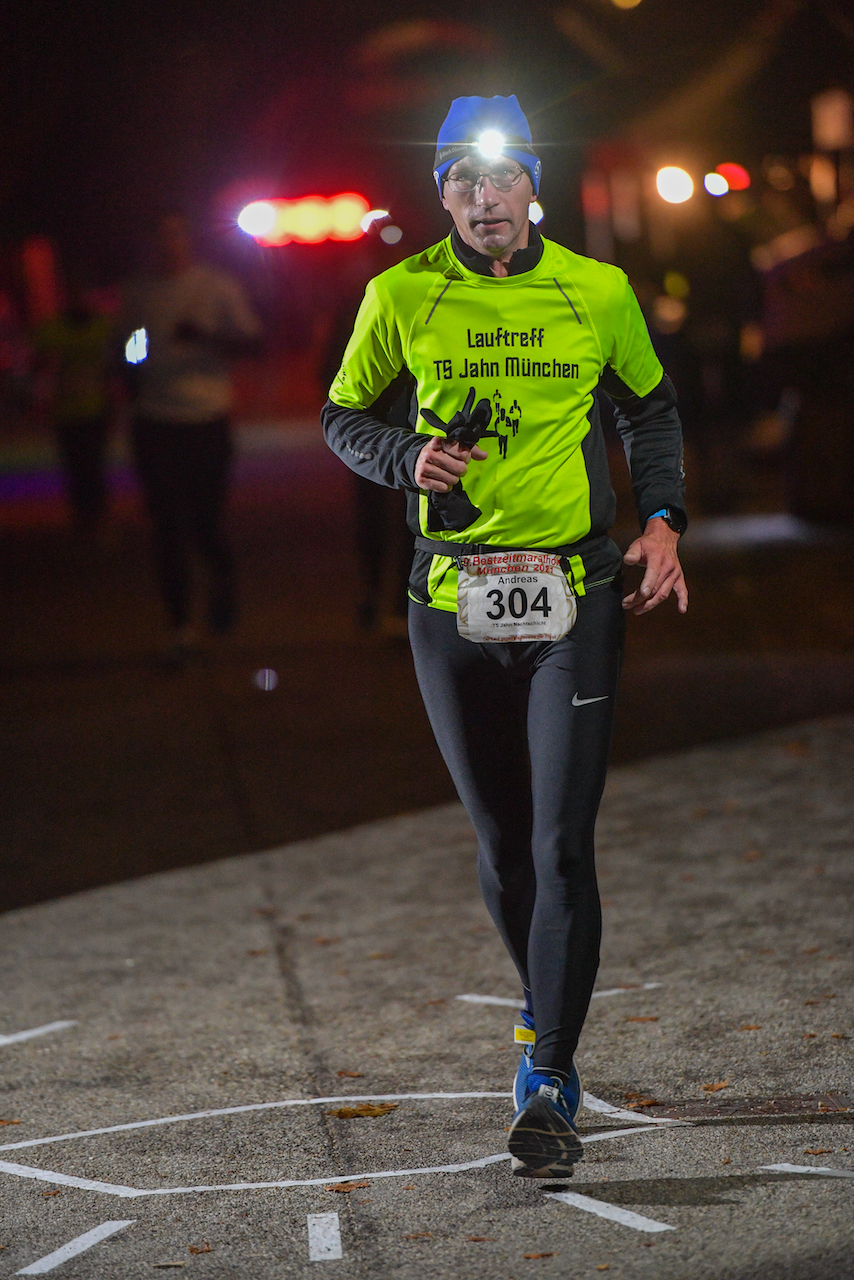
[[809, 1168], [324, 1237], [233, 1111], [36, 1031], [619, 991], [611, 1211], [78, 1245], [503, 1000], [516, 1001], [619, 1113], [65, 1179], [107, 1188]]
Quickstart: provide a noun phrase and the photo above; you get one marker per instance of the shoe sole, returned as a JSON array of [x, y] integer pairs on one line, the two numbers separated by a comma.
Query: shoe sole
[[541, 1139], [553, 1171]]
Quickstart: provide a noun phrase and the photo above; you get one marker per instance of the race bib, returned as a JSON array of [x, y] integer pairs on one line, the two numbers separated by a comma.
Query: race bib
[[513, 595]]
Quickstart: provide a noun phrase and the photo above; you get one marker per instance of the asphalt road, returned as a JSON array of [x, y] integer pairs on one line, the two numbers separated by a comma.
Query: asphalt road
[[330, 970]]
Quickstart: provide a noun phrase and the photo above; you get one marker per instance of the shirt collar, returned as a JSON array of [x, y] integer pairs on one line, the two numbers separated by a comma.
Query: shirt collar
[[521, 261]]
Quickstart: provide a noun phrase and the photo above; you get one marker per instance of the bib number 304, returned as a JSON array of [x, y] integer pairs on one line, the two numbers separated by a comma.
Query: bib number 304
[[514, 595]]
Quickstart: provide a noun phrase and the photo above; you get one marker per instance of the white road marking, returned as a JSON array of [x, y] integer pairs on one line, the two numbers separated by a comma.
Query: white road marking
[[619, 1113], [611, 1211], [47, 1175], [515, 1002], [348, 1099], [37, 1031], [65, 1179], [809, 1168], [324, 1237], [78, 1245]]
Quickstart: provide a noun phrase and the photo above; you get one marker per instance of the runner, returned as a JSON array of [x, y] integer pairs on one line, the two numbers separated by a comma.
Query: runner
[[516, 614]]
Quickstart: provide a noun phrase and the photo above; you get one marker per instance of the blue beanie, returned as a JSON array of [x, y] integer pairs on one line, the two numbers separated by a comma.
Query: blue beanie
[[468, 118]]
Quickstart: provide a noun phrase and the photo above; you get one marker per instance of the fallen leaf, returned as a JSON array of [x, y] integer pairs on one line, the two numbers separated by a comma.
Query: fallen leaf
[[52, 1193], [354, 1075], [441, 1000], [837, 1035], [364, 1109], [750, 1026], [645, 1102], [481, 1239], [116, 1036], [538, 1255], [715, 1088], [260, 951], [325, 942], [420, 1235], [346, 1187], [379, 955], [727, 1161], [11, 1122], [407, 1188], [810, 1035], [603, 1266], [818, 1151], [812, 1002], [642, 1019], [766, 951], [830, 996], [200, 1248]]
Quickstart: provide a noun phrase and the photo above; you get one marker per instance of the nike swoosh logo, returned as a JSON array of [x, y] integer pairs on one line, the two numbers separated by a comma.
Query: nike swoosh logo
[[582, 702]]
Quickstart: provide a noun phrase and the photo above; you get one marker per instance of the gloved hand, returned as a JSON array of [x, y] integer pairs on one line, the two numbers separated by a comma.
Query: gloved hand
[[467, 427]]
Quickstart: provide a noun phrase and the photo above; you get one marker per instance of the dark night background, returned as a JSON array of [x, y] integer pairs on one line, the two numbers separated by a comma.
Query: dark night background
[[112, 112]]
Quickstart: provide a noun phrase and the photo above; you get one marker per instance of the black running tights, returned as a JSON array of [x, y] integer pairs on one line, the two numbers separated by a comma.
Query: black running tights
[[524, 730]]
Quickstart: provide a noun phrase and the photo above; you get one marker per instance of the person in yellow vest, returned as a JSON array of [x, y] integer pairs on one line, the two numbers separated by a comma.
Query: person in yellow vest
[[74, 349], [516, 614]]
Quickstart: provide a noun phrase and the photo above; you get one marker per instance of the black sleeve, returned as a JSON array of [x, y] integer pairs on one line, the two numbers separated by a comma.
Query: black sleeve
[[652, 438], [374, 442]]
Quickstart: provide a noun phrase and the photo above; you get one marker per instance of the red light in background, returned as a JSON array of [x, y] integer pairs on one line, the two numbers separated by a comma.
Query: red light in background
[[737, 177], [308, 220]]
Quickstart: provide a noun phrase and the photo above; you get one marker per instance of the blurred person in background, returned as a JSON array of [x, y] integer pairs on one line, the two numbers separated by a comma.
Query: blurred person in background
[[182, 326], [73, 350]]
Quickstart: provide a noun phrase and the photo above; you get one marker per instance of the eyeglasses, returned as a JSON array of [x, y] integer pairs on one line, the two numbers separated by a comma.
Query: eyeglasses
[[503, 177]]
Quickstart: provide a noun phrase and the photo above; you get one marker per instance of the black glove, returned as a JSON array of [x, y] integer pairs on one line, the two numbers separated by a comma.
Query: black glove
[[455, 510]]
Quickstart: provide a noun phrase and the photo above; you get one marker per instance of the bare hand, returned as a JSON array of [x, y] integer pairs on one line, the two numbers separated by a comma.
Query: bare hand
[[440, 464], [655, 551]]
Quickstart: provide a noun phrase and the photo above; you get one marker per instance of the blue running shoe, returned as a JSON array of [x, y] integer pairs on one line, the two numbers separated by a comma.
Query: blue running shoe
[[544, 1141], [526, 1036]]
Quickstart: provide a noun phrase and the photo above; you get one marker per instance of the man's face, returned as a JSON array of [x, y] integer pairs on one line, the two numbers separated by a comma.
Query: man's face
[[490, 220]]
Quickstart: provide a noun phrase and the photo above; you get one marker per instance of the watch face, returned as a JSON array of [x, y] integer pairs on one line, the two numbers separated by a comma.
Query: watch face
[[678, 523]]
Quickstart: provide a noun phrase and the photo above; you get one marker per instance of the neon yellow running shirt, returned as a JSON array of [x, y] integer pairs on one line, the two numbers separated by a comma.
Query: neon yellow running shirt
[[535, 345]]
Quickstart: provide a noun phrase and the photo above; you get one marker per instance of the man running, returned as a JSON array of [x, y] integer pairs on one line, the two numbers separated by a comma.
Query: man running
[[516, 614]]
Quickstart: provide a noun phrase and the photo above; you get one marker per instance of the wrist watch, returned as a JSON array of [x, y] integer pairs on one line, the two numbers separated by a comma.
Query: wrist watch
[[672, 516]]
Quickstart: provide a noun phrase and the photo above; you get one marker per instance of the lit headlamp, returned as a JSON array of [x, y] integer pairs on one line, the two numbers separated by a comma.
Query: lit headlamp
[[491, 144]]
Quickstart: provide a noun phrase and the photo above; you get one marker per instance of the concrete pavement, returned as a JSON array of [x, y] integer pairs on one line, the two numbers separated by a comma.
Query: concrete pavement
[[329, 969]]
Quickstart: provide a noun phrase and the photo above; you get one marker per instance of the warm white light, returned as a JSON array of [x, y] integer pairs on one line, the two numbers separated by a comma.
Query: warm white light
[[490, 144], [716, 184], [258, 218], [136, 347], [535, 211], [674, 185], [391, 235], [374, 215]]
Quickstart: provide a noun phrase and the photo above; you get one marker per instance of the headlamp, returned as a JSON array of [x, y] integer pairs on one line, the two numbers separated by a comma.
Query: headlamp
[[491, 144]]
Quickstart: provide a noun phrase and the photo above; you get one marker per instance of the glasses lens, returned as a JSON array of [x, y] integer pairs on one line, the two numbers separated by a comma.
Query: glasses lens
[[502, 178]]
